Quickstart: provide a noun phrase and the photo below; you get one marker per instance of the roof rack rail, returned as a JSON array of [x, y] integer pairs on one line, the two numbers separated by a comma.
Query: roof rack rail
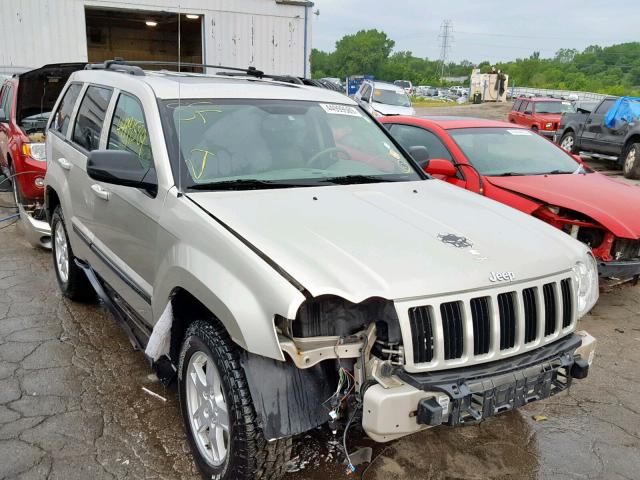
[[132, 67]]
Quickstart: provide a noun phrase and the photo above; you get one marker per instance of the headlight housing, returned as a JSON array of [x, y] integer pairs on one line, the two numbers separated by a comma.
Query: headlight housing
[[548, 125], [36, 151], [585, 274]]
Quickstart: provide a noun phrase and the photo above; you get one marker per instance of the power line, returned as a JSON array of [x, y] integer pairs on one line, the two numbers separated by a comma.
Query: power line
[[446, 39]]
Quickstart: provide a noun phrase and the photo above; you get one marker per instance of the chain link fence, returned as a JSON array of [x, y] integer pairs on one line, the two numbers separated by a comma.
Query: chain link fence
[[546, 92]]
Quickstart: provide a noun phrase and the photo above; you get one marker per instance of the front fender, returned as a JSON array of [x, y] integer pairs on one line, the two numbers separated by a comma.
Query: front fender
[[236, 285]]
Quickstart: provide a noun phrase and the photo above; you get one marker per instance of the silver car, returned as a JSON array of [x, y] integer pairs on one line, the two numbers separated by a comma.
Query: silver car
[[272, 247]]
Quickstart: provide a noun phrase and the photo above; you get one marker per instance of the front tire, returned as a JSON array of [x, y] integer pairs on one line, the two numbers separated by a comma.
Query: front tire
[[568, 142], [631, 162], [219, 416], [72, 280]]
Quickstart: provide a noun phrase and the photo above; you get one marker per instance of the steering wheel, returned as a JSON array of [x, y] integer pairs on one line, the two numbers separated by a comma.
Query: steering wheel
[[334, 151]]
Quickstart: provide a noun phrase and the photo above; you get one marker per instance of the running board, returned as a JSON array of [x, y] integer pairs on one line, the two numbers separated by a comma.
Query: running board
[[600, 156], [120, 318]]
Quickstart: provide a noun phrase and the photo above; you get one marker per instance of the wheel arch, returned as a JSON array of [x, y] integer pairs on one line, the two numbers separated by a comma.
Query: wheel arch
[[51, 201]]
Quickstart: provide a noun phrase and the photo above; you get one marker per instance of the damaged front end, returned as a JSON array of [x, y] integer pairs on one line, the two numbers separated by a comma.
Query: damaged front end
[[618, 258]]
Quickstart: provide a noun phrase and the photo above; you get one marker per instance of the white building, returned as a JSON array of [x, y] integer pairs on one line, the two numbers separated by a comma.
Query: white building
[[272, 35]]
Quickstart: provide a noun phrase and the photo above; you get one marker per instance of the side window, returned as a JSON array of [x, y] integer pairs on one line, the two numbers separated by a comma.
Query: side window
[[529, 107], [604, 107], [62, 117], [6, 100], [409, 136], [90, 119], [129, 130], [516, 105], [523, 105]]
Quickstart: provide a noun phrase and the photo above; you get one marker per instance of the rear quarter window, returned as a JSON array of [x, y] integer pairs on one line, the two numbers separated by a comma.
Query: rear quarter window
[[62, 116]]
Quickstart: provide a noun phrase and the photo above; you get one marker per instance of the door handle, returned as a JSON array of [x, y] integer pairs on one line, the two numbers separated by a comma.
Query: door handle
[[64, 163], [103, 193]]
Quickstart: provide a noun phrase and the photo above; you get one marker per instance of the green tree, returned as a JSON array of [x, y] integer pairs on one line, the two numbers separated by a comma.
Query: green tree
[[362, 53]]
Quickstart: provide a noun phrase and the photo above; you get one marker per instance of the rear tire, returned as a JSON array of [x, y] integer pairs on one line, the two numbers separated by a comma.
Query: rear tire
[[568, 142], [631, 161], [72, 281], [213, 390]]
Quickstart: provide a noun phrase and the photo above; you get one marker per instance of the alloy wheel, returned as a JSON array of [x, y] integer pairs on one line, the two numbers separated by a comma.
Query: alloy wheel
[[207, 409], [631, 159], [567, 143], [62, 252]]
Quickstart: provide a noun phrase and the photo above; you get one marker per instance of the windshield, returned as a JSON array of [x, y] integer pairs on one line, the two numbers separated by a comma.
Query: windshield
[[267, 143], [507, 151], [555, 107], [391, 97], [402, 83]]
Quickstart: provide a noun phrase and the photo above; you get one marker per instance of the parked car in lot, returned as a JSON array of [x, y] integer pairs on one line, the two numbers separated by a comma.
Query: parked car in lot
[[380, 98], [512, 165], [406, 85], [280, 251], [586, 131], [26, 101], [542, 115]]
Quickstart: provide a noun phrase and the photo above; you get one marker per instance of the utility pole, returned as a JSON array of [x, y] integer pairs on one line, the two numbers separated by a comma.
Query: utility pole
[[446, 39]]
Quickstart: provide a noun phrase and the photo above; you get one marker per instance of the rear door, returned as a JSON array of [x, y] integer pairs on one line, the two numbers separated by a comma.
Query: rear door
[[526, 116], [593, 126], [514, 114]]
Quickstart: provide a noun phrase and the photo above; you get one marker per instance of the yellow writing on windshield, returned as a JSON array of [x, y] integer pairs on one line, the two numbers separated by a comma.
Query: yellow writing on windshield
[[203, 163]]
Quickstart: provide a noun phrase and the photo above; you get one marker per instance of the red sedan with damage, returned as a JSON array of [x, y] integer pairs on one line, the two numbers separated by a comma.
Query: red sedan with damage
[[512, 165]]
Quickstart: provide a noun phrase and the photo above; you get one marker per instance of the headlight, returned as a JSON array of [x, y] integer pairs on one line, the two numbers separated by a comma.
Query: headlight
[[376, 114], [35, 151], [548, 125], [586, 276]]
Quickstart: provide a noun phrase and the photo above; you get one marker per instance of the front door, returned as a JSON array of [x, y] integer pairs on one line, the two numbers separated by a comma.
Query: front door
[[593, 126], [124, 220]]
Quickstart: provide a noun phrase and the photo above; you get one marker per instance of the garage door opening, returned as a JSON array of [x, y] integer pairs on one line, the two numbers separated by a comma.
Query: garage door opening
[[143, 35]]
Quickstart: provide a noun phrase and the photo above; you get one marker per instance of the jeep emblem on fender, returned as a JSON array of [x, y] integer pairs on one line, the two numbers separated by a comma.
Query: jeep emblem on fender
[[502, 276], [455, 240]]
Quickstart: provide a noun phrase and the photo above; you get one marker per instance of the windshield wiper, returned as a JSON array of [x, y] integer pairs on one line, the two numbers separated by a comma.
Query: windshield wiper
[[246, 184], [352, 179], [557, 172], [511, 174]]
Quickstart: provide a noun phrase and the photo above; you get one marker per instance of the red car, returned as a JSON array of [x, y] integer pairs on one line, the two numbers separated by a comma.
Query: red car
[[542, 115], [26, 101], [512, 165]]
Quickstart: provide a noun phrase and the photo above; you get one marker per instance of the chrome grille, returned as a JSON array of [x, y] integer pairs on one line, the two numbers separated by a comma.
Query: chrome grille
[[476, 327]]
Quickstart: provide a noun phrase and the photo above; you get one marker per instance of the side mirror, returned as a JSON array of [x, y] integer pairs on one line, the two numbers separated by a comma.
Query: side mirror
[[119, 167], [3, 116], [440, 166], [420, 154]]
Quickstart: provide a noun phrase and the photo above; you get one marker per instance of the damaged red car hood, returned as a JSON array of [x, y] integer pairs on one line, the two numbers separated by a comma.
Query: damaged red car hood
[[612, 203]]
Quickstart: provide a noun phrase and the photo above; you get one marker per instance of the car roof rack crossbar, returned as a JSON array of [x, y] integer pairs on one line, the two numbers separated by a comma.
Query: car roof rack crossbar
[[116, 65]]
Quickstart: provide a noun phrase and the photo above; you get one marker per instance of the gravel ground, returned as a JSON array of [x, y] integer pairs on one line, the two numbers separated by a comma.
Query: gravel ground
[[72, 404]]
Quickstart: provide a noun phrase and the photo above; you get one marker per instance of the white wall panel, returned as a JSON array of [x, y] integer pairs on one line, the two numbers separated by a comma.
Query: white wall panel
[[236, 33]]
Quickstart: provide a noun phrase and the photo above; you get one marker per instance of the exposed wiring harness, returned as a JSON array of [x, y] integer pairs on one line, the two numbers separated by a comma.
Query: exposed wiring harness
[[8, 178]]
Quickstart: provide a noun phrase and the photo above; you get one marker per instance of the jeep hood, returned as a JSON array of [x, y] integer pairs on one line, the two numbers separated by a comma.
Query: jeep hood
[[38, 89], [388, 240], [612, 203]]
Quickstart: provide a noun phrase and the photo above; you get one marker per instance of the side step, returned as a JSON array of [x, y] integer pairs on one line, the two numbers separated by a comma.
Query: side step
[[600, 156], [97, 286], [164, 367]]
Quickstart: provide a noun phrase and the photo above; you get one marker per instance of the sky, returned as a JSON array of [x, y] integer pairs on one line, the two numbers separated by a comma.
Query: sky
[[482, 29]]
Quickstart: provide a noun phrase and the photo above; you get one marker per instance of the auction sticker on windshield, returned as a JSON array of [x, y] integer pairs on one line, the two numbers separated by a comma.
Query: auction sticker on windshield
[[338, 109], [519, 132]]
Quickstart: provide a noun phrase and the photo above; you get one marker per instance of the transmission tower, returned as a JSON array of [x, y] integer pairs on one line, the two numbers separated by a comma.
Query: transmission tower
[[446, 40]]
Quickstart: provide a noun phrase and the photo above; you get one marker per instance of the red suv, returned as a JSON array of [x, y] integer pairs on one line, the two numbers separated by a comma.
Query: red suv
[[542, 115], [26, 101]]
